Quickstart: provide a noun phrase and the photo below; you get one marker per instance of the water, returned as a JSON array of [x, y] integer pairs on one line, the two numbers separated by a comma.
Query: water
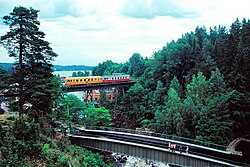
[[67, 73]]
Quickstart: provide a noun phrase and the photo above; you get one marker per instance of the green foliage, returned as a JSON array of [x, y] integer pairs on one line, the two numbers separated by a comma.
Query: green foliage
[[80, 74], [75, 156], [136, 67], [137, 110], [20, 142], [97, 117], [212, 107], [102, 68], [53, 157], [168, 118], [203, 114], [21, 145], [93, 160], [71, 108]]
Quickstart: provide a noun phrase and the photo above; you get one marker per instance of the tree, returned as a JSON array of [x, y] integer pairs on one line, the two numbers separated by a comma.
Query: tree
[[210, 108], [71, 109], [33, 71], [100, 69], [74, 74], [97, 117], [168, 116], [136, 68]]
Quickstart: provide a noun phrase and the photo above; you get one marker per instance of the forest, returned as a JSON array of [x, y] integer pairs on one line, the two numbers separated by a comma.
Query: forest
[[195, 87]]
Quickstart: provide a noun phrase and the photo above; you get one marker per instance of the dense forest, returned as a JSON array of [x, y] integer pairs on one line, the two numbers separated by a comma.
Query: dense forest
[[196, 86]]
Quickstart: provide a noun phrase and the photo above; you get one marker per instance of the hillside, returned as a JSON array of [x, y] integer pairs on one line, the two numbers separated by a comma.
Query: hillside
[[8, 67]]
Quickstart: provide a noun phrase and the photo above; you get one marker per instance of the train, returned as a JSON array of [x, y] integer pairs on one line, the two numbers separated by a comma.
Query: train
[[72, 82]]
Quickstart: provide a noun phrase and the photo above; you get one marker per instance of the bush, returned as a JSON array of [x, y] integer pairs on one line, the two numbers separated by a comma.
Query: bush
[[20, 142]]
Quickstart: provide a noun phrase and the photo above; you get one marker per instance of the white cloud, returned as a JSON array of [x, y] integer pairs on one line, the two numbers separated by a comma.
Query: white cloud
[[89, 32]]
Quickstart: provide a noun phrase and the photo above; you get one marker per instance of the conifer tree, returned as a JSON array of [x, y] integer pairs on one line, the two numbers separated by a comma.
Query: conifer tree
[[211, 116], [33, 71]]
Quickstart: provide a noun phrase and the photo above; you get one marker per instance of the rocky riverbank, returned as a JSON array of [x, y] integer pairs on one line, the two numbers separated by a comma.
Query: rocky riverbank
[[129, 161]]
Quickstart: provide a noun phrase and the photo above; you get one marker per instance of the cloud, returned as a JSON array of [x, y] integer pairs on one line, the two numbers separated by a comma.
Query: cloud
[[49, 9], [150, 9], [92, 31]]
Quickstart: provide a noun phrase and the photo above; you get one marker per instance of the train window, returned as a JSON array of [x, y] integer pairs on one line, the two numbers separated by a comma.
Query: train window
[[80, 80], [73, 80], [77, 80]]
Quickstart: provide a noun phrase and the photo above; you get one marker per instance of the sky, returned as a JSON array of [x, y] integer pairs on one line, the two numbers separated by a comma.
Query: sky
[[88, 32]]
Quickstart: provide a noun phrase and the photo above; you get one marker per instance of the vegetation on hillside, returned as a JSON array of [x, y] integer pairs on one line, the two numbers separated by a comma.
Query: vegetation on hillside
[[196, 86]]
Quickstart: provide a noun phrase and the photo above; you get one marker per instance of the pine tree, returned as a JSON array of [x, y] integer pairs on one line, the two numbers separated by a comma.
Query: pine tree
[[33, 71]]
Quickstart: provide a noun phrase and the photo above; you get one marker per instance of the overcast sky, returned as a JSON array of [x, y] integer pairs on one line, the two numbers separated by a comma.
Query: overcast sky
[[88, 32]]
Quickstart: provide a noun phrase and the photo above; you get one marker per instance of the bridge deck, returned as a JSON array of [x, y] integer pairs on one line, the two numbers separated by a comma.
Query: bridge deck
[[160, 139], [146, 151]]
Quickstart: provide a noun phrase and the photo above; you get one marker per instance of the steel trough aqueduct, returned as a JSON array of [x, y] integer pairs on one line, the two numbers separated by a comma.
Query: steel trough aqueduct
[[154, 148]]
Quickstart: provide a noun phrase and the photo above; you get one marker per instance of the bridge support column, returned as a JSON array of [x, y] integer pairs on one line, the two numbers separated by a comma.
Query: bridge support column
[[89, 97]]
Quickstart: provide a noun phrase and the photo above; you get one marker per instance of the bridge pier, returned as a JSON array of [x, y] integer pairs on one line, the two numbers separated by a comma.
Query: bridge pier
[[89, 97]]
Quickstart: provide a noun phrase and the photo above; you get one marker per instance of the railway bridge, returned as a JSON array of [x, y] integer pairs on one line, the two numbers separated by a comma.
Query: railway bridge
[[148, 146], [119, 86], [119, 89]]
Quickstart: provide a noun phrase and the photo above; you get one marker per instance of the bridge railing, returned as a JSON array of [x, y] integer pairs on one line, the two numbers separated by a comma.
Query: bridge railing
[[160, 135]]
